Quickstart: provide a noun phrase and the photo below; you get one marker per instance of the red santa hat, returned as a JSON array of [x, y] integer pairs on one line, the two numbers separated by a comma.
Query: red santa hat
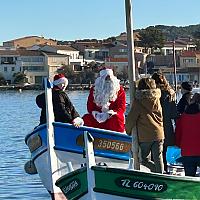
[[60, 79]]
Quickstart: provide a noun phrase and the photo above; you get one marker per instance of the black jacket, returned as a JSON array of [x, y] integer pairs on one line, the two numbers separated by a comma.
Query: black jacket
[[183, 103], [169, 112], [193, 108], [64, 110]]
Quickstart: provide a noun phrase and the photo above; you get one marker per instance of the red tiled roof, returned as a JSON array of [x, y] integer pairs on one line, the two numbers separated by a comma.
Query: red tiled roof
[[9, 53], [117, 60], [189, 53]]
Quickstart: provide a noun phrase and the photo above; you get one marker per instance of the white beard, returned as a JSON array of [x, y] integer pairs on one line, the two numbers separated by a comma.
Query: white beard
[[106, 91]]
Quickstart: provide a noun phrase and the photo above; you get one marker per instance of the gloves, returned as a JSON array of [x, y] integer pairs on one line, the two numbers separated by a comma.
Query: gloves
[[100, 117], [111, 112], [77, 122]]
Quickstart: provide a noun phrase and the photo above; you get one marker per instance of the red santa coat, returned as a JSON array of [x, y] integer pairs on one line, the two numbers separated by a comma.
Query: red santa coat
[[115, 122], [188, 134]]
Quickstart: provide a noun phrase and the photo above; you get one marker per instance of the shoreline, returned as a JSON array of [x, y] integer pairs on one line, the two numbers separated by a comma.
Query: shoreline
[[39, 87]]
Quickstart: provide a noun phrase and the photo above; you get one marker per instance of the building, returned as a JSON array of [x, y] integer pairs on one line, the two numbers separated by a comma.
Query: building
[[75, 59], [190, 63], [9, 64], [34, 64], [55, 61], [28, 41], [180, 45], [93, 50]]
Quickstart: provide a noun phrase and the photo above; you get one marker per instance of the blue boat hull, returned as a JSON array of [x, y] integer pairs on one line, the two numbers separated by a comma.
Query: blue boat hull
[[110, 148]]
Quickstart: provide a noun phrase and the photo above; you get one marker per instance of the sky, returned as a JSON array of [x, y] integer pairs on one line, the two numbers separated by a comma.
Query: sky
[[81, 19]]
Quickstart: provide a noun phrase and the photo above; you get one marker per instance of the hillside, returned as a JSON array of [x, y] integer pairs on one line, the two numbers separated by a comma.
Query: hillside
[[173, 32]]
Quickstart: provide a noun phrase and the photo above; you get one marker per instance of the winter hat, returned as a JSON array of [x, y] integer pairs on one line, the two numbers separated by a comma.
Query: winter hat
[[60, 79], [186, 86]]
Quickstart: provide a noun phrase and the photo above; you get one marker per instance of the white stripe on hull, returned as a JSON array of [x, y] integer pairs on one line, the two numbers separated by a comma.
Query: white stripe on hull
[[43, 166], [58, 196]]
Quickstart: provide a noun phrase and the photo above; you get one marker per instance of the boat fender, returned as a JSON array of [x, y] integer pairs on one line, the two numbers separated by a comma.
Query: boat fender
[[83, 165], [30, 168]]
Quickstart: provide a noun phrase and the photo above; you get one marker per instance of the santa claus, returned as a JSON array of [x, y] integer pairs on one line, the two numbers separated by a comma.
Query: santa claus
[[106, 103]]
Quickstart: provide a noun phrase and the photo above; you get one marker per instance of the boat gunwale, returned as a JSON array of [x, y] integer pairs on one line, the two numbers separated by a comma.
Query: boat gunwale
[[144, 174]]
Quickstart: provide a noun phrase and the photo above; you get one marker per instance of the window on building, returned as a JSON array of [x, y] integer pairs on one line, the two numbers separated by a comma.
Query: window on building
[[5, 69], [33, 68], [13, 69], [105, 54], [188, 60], [54, 59], [122, 50], [89, 53], [37, 59], [7, 60], [38, 79], [26, 59]]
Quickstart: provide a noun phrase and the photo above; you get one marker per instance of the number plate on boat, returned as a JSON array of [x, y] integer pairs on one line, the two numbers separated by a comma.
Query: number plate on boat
[[107, 144], [142, 185]]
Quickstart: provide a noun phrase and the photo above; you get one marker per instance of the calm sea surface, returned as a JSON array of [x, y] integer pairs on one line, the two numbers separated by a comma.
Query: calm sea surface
[[18, 115]]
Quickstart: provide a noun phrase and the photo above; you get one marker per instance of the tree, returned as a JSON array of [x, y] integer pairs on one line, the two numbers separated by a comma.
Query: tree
[[68, 71], [122, 75], [19, 77], [2, 80], [151, 38], [88, 76], [196, 36]]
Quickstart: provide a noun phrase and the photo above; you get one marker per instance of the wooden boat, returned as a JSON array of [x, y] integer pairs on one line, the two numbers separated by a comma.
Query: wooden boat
[[110, 147], [103, 182]]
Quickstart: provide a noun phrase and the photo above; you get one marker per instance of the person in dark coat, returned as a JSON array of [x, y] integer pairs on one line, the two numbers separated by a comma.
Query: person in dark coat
[[188, 137], [186, 90], [168, 105], [64, 111]]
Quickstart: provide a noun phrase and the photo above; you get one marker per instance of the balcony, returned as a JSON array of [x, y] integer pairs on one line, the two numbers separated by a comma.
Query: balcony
[[8, 63]]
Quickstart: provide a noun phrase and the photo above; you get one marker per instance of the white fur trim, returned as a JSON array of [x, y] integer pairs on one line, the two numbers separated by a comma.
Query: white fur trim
[[106, 72], [62, 80]]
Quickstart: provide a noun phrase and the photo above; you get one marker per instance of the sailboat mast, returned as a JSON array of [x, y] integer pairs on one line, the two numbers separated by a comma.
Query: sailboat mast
[[131, 73], [174, 63], [130, 44]]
